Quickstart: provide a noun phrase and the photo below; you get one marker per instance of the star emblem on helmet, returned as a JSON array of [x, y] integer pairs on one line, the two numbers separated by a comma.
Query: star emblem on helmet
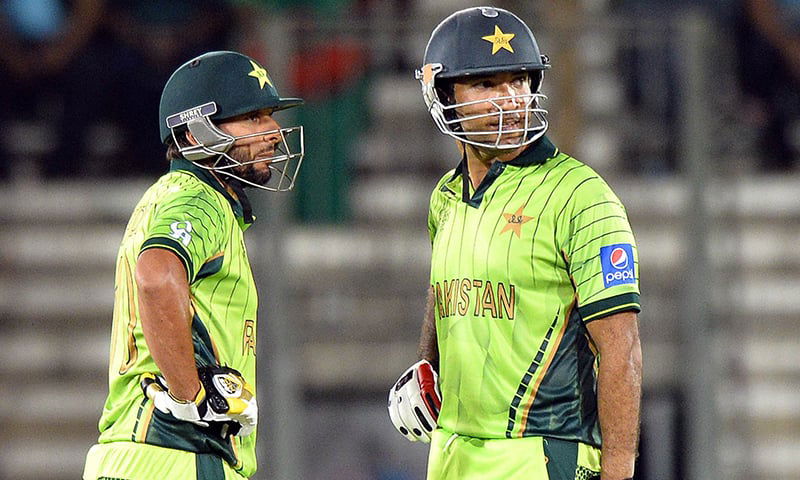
[[260, 74], [500, 40]]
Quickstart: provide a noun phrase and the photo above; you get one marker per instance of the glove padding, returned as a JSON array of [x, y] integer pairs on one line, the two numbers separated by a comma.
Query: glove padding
[[225, 400], [415, 401]]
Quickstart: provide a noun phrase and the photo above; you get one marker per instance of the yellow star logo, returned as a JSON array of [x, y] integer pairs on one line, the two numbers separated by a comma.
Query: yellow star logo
[[515, 221], [500, 40], [260, 74]]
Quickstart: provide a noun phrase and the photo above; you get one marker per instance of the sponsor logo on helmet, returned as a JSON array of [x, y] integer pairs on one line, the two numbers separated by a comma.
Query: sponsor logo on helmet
[[182, 118], [617, 264], [500, 40]]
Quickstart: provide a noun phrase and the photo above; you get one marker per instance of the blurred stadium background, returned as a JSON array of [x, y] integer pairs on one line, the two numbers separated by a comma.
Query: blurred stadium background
[[689, 108]]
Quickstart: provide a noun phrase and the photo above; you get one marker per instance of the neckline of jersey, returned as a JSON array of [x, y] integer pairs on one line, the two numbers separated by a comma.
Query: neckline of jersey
[[205, 176], [537, 153]]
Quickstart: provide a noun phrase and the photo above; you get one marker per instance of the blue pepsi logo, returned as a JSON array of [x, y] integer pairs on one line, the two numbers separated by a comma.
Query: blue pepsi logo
[[619, 258], [617, 264]]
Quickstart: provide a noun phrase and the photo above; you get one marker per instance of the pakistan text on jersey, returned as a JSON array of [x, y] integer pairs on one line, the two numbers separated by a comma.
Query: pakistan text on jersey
[[480, 297]]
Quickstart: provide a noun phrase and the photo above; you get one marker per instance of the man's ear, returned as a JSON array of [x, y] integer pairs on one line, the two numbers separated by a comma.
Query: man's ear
[[190, 138]]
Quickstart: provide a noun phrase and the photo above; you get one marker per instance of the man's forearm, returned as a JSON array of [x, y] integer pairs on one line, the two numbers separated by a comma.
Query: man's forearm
[[165, 313], [428, 347], [619, 398]]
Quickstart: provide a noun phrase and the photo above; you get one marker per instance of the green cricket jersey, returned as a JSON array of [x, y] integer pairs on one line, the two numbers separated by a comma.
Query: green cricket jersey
[[188, 212], [519, 265]]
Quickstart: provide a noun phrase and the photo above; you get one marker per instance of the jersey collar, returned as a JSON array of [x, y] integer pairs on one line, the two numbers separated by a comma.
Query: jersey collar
[[206, 177], [537, 153]]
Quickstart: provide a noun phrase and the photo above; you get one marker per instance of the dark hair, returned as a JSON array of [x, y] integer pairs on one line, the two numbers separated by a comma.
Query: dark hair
[[446, 90], [173, 152]]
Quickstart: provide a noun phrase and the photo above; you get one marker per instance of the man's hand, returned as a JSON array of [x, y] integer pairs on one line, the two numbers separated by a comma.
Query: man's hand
[[224, 398], [414, 402]]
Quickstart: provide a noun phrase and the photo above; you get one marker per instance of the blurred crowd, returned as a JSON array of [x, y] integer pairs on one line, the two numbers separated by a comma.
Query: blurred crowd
[[86, 75], [82, 78], [768, 37]]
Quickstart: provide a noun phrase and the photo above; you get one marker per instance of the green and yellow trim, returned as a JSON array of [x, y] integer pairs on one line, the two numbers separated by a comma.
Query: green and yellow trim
[[610, 306], [175, 247], [143, 418], [132, 350], [211, 266], [542, 371], [147, 415]]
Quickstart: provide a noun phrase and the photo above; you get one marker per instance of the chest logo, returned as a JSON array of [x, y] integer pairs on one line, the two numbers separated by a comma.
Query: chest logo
[[515, 221]]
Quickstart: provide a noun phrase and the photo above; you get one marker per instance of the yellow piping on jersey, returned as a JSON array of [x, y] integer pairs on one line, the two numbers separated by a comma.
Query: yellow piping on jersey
[[133, 350], [214, 257], [193, 312], [235, 448], [615, 308], [141, 435], [545, 367]]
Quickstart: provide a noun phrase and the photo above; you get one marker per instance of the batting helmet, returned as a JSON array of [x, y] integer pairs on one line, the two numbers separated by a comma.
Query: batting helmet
[[483, 41], [216, 86]]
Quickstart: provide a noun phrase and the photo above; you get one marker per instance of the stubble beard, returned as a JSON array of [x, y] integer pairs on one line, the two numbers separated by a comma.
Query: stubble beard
[[249, 172]]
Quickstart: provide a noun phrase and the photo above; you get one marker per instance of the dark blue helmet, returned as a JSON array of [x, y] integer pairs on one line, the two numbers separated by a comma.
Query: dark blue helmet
[[476, 42]]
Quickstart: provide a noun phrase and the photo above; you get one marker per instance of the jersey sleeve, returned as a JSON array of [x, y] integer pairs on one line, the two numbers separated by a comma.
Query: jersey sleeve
[[437, 204], [190, 225], [601, 253]]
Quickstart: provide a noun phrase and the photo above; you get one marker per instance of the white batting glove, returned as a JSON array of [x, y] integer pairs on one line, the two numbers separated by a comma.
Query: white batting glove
[[415, 401], [225, 400]]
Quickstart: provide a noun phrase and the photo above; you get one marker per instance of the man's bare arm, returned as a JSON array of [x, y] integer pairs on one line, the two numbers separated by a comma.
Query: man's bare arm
[[166, 319], [619, 391], [428, 347]]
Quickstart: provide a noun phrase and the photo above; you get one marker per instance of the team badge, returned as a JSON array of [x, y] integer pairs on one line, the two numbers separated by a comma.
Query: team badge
[[228, 385], [260, 74], [515, 221], [182, 231], [500, 40], [617, 264]]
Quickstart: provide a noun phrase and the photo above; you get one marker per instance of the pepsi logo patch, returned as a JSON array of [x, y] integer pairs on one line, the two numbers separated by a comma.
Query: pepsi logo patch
[[618, 265]]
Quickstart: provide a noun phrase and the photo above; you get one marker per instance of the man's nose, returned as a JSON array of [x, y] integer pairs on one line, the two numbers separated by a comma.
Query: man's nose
[[271, 138], [274, 133], [506, 97]]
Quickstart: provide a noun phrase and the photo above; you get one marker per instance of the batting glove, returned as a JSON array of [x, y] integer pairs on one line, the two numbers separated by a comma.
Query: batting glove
[[415, 401], [225, 400]]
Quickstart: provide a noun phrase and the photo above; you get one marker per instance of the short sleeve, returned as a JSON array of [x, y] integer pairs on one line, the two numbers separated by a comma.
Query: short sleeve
[[601, 252], [190, 224], [437, 205]]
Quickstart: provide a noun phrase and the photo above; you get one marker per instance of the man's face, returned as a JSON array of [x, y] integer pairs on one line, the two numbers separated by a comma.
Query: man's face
[[254, 148], [508, 91]]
